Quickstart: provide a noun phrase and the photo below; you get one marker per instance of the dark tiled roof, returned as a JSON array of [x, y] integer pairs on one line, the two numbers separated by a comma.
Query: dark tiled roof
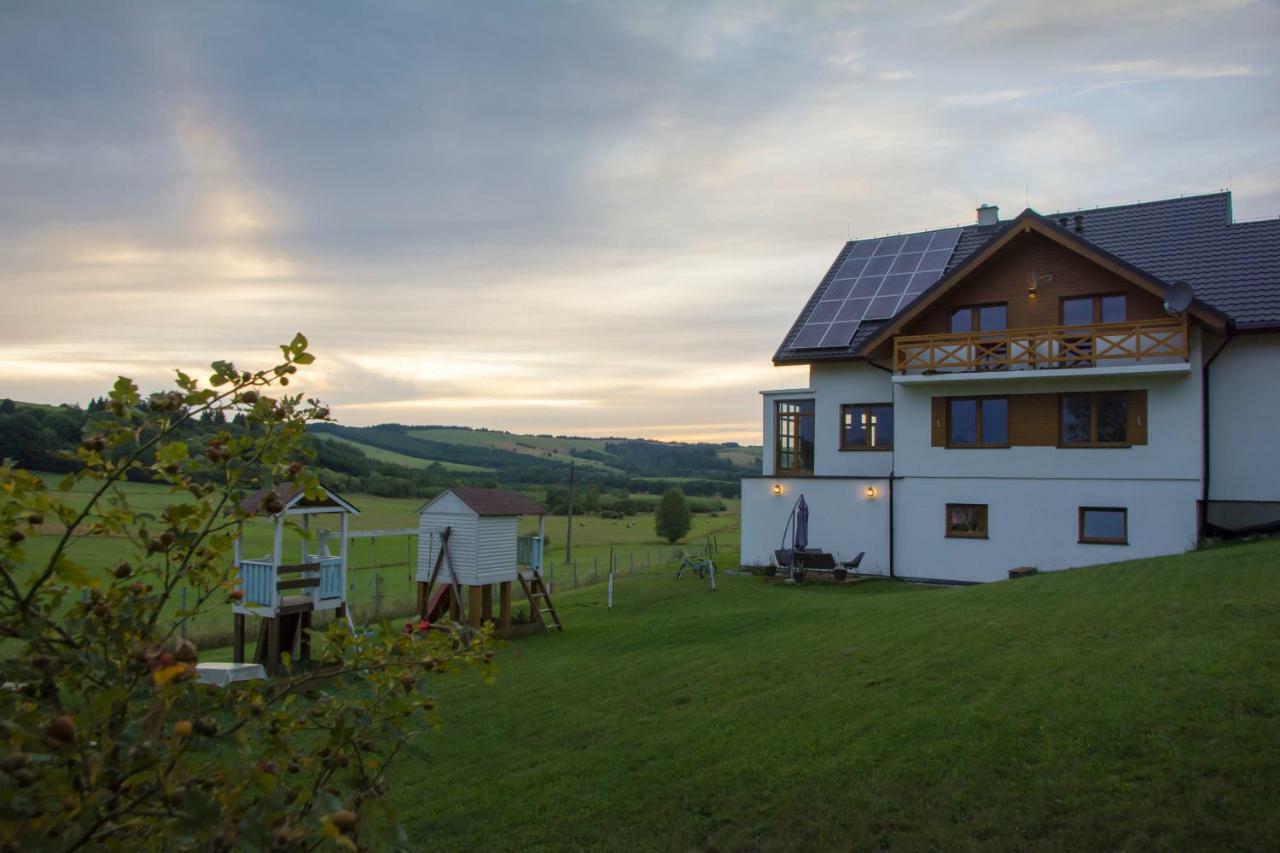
[[253, 504], [1233, 267], [497, 501]]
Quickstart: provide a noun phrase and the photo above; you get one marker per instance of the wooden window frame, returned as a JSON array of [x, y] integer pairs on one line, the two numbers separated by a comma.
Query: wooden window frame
[[980, 445], [1097, 306], [848, 407], [973, 317], [1102, 540], [778, 417], [984, 533], [1093, 421]]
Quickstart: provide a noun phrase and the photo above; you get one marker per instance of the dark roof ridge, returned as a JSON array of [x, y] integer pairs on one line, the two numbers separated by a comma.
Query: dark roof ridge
[[1129, 205]]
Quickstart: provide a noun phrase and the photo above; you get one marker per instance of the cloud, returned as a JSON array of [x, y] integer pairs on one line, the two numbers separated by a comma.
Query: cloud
[[568, 218]]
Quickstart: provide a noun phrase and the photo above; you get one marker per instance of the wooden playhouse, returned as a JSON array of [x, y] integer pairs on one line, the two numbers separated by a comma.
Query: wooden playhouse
[[468, 543], [286, 594]]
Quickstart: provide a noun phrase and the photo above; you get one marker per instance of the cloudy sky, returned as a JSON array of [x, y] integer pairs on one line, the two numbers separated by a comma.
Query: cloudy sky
[[595, 218]]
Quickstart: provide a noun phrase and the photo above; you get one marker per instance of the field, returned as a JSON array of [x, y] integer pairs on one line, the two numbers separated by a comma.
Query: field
[[1133, 706], [543, 447], [384, 455], [381, 570]]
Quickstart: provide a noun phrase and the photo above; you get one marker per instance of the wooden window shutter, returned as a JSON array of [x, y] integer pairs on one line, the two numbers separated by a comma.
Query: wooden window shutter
[[939, 421], [1138, 417], [1033, 420]]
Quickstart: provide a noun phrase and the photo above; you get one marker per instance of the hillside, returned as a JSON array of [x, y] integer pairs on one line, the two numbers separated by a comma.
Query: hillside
[[515, 458], [1133, 706]]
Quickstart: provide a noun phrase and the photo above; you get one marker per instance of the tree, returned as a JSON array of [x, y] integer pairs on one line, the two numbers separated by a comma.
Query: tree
[[110, 742], [591, 502], [671, 520]]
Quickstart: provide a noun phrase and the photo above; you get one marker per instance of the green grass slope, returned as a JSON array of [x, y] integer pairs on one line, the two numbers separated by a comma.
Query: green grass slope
[[1128, 706], [384, 455]]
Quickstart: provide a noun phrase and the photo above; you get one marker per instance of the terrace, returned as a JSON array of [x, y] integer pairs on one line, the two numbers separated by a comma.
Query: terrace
[[1102, 345]]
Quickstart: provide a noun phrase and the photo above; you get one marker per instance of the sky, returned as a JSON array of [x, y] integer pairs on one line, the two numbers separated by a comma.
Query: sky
[[590, 218]]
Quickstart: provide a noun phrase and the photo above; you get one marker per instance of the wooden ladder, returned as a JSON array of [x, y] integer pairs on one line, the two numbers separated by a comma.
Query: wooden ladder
[[540, 601]]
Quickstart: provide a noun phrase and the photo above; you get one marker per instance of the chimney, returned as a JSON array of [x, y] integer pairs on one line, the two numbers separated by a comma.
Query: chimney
[[1079, 223], [988, 214]]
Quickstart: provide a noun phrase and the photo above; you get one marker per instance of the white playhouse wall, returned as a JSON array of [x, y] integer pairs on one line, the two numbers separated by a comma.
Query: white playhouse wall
[[482, 549]]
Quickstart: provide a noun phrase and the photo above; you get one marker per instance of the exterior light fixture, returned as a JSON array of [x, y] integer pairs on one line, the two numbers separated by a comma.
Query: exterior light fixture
[[1036, 281], [777, 488], [871, 491]]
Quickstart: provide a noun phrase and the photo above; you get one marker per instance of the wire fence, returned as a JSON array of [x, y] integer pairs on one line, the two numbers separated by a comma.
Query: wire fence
[[382, 581]]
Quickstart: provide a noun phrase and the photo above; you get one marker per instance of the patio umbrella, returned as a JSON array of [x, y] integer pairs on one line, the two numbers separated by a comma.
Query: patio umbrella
[[801, 540]]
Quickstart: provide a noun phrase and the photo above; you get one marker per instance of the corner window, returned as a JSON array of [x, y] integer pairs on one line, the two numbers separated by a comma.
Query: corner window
[[793, 428], [866, 426], [967, 521], [1096, 419], [1104, 525], [978, 422]]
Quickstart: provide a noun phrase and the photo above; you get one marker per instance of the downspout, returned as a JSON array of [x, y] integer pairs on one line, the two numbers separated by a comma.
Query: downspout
[[1204, 427], [891, 575]]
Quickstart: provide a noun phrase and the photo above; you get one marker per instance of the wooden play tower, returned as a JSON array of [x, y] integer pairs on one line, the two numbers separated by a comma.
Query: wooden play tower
[[468, 545], [286, 595]]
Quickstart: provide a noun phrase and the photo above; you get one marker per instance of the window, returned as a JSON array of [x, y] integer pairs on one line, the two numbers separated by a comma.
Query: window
[[980, 318], [967, 521], [793, 424], [1104, 525], [978, 422], [1097, 419], [866, 426], [1088, 310]]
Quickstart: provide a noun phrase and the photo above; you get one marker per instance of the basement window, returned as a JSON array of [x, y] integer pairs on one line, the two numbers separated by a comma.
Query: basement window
[[1104, 525], [966, 521]]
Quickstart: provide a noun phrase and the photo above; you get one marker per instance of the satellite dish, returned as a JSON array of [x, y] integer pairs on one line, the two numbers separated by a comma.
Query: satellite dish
[[1178, 298]]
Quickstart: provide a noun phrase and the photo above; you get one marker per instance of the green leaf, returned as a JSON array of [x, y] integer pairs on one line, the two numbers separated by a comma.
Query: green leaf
[[172, 453], [304, 358], [299, 343]]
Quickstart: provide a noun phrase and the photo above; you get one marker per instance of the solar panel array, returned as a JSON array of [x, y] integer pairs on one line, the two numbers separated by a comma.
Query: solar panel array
[[877, 280]]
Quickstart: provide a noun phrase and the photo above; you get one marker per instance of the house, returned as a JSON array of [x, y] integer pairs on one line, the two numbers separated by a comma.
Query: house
[[1048, 391]]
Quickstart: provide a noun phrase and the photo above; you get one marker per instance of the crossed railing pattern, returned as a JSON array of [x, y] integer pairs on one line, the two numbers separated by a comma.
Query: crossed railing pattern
[[1043, 347]]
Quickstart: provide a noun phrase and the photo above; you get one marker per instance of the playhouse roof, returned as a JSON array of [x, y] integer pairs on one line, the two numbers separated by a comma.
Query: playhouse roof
[[293, 498], [491, 501]]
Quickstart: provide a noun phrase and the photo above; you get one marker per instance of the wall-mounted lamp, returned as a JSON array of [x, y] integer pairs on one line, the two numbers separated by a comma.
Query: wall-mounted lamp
[[1037, 282], [871, 491], [777, 488]]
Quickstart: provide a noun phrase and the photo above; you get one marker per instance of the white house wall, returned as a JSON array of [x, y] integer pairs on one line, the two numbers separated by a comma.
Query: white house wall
[[1174, 448], [1035, 522], [1244, 404], [843, 520], [833, 386]]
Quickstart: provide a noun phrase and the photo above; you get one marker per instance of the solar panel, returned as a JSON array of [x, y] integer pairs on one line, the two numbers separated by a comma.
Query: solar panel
[[876, 281]]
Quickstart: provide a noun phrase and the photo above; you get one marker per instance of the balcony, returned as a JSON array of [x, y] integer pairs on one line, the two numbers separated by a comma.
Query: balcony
[[1130, 344]]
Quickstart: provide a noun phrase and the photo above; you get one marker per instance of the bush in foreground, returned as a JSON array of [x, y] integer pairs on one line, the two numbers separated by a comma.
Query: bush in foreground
[[109, 741]]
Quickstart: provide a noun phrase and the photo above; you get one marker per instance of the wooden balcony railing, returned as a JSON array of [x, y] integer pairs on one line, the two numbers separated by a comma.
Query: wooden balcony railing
[[1045, 347]]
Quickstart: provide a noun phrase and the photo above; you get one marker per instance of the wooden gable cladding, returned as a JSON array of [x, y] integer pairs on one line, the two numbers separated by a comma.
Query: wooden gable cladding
[[1003, 280], [1034, 419], [1138, 417], [938, 412]]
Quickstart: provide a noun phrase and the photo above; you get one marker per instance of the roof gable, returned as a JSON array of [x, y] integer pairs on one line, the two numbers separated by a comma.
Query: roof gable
[[1029, 222], [292, 498]]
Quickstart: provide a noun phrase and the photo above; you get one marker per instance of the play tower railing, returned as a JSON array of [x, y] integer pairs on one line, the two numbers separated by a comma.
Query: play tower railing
[[261, 581]]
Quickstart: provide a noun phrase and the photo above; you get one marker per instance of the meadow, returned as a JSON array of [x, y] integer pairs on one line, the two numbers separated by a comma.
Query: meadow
[[381, 569], [1131, 706]]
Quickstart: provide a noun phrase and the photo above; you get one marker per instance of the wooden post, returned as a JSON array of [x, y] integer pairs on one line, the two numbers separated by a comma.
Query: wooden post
[[422, 599], [486, 607], [273, 646], [475, 605], [277, 552], [238, 644], [304, 639], [542, 542], [568, 537], [455, 606], [342, 552], [504, 606]]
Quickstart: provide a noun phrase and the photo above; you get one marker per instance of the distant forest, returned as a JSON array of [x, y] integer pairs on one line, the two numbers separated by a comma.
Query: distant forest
[[40, 437]]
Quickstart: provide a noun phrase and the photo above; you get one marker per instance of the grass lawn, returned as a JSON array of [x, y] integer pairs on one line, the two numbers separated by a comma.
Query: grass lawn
[[1128, 706]]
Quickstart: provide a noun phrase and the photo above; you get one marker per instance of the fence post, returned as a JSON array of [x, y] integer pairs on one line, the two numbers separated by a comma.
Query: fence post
[[595, 569], [377, 597], [575, 574]]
